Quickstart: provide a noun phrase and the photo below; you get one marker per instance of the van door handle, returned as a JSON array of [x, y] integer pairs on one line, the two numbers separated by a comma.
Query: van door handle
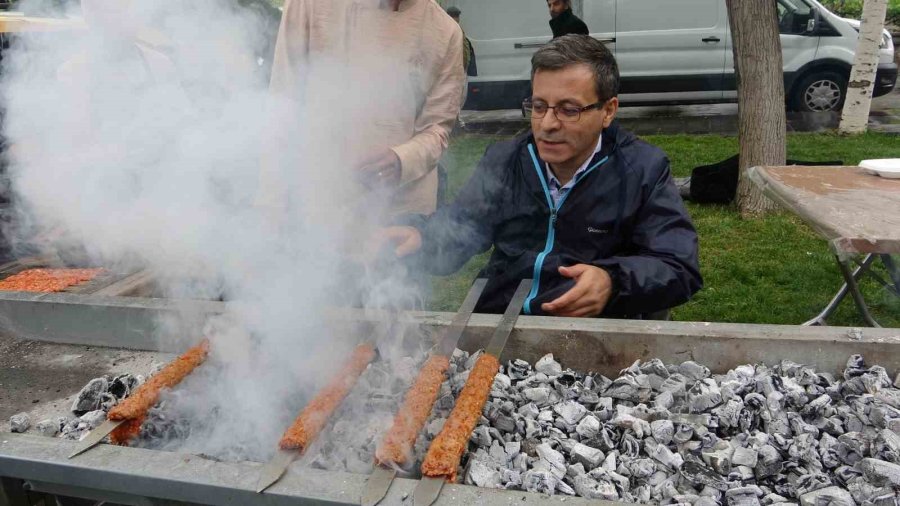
[[610, 40], [711, 39], [519, 45]]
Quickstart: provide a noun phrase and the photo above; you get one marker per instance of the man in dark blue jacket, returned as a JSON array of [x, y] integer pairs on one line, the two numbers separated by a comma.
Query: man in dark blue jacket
[[583, 207]]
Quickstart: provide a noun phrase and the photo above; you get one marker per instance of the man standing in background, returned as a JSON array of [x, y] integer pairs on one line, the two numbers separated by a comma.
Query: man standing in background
[[563, 21], [369, 91], [468, 50]]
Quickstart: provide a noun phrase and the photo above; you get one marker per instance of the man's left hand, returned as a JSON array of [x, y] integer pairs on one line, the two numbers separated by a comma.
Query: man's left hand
[[592, 290], [381, 168]]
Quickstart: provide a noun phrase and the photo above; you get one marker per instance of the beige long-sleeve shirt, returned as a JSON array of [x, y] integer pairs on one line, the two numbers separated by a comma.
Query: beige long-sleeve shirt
[[362, 78]]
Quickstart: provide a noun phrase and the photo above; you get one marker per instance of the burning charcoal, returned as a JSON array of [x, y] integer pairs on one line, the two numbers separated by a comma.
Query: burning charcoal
[[510, 478], [663, 431], [604, 409], [588, 427], [548, 366], [589, 488], [641, 468], [743, 496], [683, 434], [662, 454], [19, 422], [587, 456], [588, 398], [529, 410], [880, 472], [719, 458], [664, 400], [744, 457], [769, 462], [501, 382], [121, 386], [504, 423], [699, 474], [693, 371], [703, 396], [541, 482], [518, 369], [640, 427], [50, 426], [564, 488], [835, 496], [93, 418], [890, 397], [434, 427], [553, 460], [539, 395], [88, 399], [887, 446], [570, 411], [624, 388], [483, 476]]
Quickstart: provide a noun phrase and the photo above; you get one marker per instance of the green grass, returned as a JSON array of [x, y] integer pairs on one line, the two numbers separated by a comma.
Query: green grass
[[770, 270]]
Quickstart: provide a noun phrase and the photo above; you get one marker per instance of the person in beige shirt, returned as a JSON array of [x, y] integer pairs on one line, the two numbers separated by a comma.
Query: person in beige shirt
[[370, 91]]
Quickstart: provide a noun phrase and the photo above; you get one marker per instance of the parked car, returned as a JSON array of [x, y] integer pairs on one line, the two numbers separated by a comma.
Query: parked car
[[668, 52]]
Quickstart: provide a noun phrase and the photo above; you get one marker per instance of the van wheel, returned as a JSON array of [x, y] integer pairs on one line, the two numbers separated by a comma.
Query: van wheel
[[820, 92]]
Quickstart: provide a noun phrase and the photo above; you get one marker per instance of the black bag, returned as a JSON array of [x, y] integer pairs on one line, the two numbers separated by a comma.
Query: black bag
[[717, 183]]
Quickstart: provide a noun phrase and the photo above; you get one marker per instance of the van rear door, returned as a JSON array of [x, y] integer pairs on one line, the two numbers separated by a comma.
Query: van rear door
[[671, 51]]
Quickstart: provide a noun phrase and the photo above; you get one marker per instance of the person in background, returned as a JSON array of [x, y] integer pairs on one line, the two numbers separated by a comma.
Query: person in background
[[374, 91], [563, 21], [468, 50], [582, 207]]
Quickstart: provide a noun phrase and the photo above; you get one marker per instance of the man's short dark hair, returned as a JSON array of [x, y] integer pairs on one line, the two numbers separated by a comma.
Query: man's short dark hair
[[580, 49], [453, 11]]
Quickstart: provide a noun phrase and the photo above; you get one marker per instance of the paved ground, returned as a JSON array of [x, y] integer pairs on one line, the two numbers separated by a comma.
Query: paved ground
[[42, 378], [693, 119]]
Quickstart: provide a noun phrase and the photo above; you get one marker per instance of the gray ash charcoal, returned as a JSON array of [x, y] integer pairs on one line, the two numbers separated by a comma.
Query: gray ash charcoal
[[89, 398], [93, 418], [19, 422], [51, 426], [482, 475], [587, 456], [547, 365]]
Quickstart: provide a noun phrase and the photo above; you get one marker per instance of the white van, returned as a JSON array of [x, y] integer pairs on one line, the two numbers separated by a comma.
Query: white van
[[669, 52]]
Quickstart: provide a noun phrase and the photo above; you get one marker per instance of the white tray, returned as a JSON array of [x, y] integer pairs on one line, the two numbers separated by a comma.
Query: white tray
[[885, 167]]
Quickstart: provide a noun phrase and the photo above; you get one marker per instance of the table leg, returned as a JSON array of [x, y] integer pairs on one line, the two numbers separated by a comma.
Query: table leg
[[819, 319], [893, 272], [853, 288]]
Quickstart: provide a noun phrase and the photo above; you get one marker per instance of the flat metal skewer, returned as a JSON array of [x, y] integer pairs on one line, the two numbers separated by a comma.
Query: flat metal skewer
[[429, 488], [95, 436], [275, 468], [382, 477]]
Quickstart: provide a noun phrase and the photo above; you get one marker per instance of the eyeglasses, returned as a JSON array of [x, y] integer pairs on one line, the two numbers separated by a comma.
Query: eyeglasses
[[566, 113]]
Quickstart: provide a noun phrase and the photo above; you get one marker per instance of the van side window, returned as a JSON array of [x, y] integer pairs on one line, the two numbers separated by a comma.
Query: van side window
[[793, 16]]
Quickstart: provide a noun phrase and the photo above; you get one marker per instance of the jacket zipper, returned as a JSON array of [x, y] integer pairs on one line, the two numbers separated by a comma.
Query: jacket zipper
[[551, 225]]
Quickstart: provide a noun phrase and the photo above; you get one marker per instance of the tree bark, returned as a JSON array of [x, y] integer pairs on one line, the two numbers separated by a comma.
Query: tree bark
[[858, 102], [760, 86]]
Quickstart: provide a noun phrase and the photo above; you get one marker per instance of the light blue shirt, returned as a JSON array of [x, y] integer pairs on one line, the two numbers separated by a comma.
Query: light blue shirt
[[558, 191]]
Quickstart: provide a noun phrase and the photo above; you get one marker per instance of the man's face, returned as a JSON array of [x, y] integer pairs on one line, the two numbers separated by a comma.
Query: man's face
[[557, 7], [569, 144]]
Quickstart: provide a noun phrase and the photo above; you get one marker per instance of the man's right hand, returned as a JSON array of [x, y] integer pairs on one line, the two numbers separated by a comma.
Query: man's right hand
[[404, 240]]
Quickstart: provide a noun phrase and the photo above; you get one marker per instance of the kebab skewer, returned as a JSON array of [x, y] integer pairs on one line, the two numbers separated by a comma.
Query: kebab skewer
[[123, 422], [314, 416], [445, 452], [395, 448]]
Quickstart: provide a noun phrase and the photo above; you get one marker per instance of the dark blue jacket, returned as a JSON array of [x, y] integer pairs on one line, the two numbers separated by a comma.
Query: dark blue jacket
[[624, 214]]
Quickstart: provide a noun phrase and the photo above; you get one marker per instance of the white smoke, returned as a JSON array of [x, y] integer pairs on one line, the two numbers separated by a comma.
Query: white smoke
[[137, 142]]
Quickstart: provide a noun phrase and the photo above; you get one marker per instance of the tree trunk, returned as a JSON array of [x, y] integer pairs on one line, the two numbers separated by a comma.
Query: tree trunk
[[855, 116], [760, 86]]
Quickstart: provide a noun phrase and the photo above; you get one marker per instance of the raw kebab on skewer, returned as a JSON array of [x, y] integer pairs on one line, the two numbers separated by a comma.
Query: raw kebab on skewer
[[47, 280], [301, 434], [124, 420]]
